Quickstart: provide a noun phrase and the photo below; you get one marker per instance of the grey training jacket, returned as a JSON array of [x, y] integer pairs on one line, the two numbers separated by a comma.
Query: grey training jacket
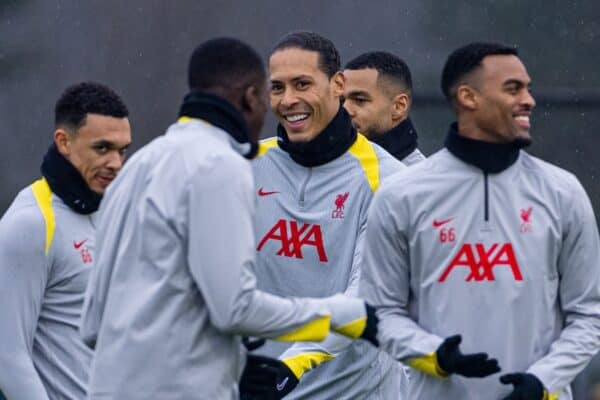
[[46, 255], [172, 288], [509, 260], [309, 225]]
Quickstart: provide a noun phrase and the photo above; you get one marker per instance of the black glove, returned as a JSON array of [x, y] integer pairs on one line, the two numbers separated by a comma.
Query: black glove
[[526, 386], [266, 378], [370, 332], [452, 361]]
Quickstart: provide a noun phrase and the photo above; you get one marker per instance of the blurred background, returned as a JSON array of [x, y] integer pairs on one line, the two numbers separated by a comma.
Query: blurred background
[[140, 48]]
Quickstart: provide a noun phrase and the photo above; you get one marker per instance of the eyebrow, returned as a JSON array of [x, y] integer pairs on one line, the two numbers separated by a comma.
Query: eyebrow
[[517, 82], [295, 78], [109, 144], [356, 93]]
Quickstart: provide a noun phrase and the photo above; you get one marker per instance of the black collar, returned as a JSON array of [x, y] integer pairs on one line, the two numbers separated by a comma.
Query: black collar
[[487, 156], [399, 141], [68, 184], [331, 143], [218, 112]]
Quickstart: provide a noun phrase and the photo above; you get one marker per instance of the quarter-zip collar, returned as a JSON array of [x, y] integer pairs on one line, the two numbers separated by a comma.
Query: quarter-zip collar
[[399, 141], [67, 183], [487, 156], [331, 143], [220, 113]]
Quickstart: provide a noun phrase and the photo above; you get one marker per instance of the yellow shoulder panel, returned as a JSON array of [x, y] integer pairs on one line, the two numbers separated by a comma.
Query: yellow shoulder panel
[[43, 198], [364, 152], [314, 331], [266, 145]]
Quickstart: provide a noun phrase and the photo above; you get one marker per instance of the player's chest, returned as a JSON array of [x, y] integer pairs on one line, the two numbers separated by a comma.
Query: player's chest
[[487, 230]]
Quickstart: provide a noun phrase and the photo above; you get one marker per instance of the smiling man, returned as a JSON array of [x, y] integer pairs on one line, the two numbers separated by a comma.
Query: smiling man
[[47, 241], [484, 240], [313, 186], [378, 97]]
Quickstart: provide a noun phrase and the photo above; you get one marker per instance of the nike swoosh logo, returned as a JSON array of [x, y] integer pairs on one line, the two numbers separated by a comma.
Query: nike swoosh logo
[[261, 192], [281, 386], [78, 245], [437, 224]]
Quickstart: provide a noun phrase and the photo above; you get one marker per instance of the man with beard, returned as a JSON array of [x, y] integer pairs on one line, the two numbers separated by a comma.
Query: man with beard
[[172, 290], [313, 186], [488, 242], [47, 253], [378, 97]]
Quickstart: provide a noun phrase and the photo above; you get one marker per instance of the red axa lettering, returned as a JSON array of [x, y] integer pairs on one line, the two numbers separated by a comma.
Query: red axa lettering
[[481, 261], [292, 237]]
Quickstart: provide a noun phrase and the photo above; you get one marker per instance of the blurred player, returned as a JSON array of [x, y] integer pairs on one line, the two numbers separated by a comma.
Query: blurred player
[[47, 241], [484, 240]]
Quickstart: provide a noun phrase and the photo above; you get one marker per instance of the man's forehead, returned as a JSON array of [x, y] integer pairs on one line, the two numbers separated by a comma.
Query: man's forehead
[[503, 67], [103, 127], [364, 78], [293, 62]]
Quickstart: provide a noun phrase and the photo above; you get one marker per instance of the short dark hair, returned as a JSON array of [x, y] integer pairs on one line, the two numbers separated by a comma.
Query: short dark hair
[[329, 58], [387, 65], [224, 62], [87, 98], [467, 58]]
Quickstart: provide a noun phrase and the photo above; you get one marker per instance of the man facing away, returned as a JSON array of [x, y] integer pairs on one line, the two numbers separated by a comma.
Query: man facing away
[[313, 186], [47, 241], [378, 97], [172, 289], [487, 241]]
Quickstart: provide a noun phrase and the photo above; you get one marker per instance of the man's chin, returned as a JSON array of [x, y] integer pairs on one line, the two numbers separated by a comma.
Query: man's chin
[[522, 141]]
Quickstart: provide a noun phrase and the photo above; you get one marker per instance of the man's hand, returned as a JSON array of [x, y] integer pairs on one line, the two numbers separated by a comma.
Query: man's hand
[[526, 386], [266, 378], [370, 332], [452, 361]]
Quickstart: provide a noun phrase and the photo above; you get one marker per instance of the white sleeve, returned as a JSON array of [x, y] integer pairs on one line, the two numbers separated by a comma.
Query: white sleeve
[[24, 270], [579, 293], [385, 284]]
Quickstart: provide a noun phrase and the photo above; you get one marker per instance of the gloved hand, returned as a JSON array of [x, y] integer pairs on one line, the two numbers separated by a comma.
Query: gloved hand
[[370, 332], [526, 386], [452, 361], [266, 378]]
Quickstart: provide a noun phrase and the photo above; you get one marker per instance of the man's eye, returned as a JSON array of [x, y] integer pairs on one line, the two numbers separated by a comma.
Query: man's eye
[[302, 85], [101, 149]]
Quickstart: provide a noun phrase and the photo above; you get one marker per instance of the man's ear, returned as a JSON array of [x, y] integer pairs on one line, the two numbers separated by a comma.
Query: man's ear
[[400, 106], [338, 81], [250, 99], [62, 140], [466, 96]]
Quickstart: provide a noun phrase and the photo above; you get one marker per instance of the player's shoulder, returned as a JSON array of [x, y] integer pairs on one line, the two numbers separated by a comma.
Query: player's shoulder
[[29, 212], [549, 174]]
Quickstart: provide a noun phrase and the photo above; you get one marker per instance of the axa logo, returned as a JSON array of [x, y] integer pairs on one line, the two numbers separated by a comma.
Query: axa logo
[[481, 261], [340, 200], [293, 238], [526, 220]]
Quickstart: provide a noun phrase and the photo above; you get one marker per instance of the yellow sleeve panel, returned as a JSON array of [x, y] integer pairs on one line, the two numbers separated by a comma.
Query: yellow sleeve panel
[[266, 145], [352, 329], [364, 152], [301, 363], [428, 364], [551, 396], [313, 331], [43, 198]]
